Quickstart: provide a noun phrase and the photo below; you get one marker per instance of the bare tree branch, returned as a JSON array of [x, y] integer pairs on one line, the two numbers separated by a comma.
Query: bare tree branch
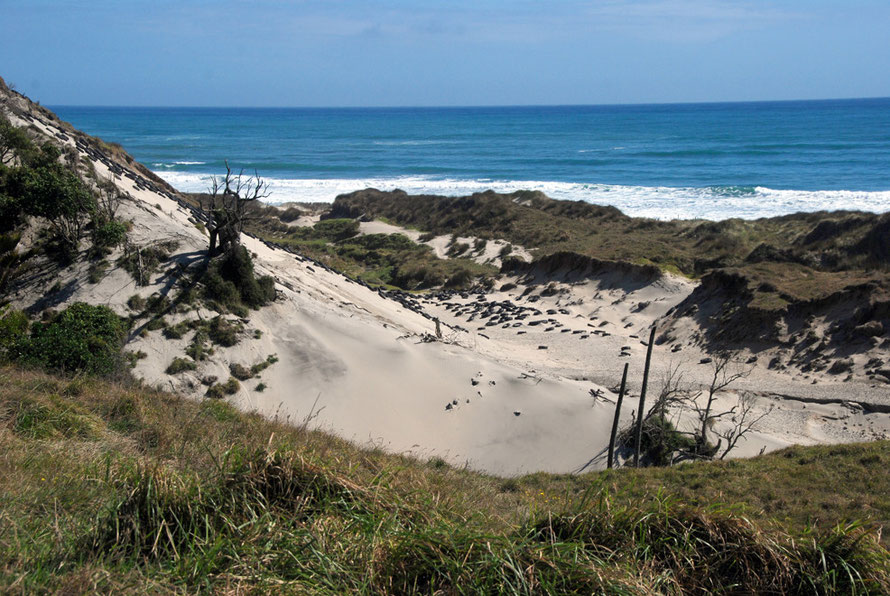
[[229, 204], [743, 422]]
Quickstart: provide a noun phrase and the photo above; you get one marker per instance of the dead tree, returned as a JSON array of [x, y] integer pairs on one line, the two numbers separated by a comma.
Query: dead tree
[[726, 372], [228, 204], [744, 420]]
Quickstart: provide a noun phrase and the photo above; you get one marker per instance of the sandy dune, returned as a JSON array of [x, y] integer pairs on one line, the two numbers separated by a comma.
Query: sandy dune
[[510, 396]]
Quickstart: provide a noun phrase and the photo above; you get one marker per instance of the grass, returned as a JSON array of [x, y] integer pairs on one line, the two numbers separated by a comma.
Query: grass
[[125, 489], [387, 260]]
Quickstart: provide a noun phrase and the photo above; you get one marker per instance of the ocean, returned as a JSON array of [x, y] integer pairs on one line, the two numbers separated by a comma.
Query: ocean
[[711, 161]]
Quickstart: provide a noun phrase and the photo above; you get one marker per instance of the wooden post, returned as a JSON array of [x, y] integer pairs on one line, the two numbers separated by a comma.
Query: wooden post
[[641, 412], [617, 415]]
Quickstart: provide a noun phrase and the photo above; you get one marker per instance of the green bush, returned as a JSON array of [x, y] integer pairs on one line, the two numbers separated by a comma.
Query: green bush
[[384, 241], [56, 194], [177, 331], [220, 390], [460, 279], [457, 249], [133, 357], [109, 234], [136, 303], [10, 210], [231, 281], [221, 290], [198, 348], [156, 323], [180, 364], [660, 439], [14, 141], [336, 229], [13, 329], [82, 338], [261, 366], [223, 333]]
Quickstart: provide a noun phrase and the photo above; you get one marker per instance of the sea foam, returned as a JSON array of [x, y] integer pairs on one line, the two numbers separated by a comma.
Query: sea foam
[[715, 203]]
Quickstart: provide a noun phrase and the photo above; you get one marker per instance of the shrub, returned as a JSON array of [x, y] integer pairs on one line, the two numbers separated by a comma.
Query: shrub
[[336, 229], [13, 328], [157, 303], [254, 370], [180, 364], [176, 331], [10, 259], [290, 214], [221, 290], [97, 271], [109, 234], [198, 349], [133, 357], [142, 261], [259, 293], [457, 249], [231, 281], [223, 332], [54, 193], [240, 372], [660, 439], [220, 390], [14, 141], [82, 338], [460, 279], [156, 323]]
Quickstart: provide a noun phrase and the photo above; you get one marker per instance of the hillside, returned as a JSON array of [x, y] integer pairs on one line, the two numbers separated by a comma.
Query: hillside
[[110, 488]]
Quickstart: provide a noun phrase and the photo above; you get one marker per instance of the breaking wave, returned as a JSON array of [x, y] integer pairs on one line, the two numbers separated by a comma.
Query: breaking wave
[[660, 202]]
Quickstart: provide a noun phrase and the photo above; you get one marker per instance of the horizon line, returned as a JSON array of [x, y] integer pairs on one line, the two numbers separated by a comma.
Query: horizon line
[[477, 106]]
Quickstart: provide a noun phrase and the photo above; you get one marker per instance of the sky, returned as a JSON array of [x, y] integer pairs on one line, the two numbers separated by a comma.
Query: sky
[[442, 52]]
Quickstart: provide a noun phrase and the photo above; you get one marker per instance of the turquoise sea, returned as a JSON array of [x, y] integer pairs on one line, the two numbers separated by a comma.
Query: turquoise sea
[[667, 161]]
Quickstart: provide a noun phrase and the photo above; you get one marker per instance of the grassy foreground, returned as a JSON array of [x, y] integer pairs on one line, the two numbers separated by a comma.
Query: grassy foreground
[[109, 487]]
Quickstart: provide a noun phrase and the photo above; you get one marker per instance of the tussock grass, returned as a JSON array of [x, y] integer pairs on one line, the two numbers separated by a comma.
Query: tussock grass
[[169, 495]]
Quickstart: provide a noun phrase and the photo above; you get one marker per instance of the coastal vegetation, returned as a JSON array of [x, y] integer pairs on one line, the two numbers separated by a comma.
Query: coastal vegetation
[[386, 260], [799, 257], [110, 487]]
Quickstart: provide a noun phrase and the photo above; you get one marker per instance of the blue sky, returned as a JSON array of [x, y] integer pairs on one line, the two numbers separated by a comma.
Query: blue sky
[[442, 52]]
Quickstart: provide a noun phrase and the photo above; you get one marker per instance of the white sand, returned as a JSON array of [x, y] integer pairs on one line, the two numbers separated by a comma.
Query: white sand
[[489, 255]]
